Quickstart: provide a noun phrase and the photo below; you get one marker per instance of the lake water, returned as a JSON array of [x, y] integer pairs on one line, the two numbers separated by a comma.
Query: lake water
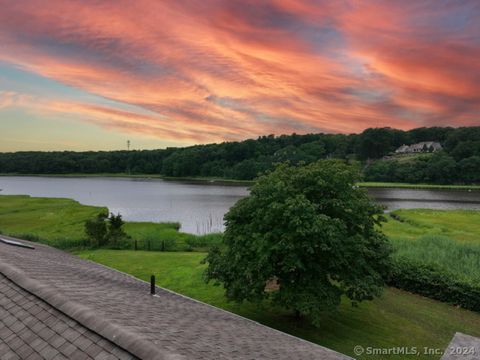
[[198, 207]]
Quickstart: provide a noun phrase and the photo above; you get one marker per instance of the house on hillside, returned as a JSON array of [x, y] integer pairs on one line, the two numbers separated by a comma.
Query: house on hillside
[[402, 149], [421, 147]]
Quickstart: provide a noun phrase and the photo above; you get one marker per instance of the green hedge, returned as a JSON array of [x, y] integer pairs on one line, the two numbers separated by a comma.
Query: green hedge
[[434, 282]]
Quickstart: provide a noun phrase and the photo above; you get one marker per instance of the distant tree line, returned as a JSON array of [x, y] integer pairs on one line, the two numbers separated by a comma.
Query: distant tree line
[[459, 162]]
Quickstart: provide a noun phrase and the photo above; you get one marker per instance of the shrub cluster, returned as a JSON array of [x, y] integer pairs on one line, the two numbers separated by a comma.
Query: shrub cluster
[[107, 231], [434, 282], [103, 231]]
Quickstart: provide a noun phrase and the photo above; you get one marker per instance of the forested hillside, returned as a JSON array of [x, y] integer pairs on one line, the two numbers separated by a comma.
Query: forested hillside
[[458, 162]]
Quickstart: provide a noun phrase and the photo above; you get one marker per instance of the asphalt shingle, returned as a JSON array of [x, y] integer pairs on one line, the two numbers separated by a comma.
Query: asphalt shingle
[[24, 335], [462, 347], [79, 309]]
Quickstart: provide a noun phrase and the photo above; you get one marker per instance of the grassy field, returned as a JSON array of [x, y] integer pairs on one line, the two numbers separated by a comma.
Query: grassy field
[[417, 186], [429, 235], [397, 319], [156, 235], [60, 223], [426, 235], [460, 225], [449, 240]]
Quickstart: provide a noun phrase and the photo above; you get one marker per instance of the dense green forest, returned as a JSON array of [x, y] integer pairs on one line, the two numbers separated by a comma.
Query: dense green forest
[[458, 162]]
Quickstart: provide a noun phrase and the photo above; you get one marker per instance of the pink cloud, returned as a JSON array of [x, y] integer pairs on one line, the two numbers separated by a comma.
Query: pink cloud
[[215, 70]]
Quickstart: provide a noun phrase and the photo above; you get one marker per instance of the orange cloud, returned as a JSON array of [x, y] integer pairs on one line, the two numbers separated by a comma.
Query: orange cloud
[[214, 70]]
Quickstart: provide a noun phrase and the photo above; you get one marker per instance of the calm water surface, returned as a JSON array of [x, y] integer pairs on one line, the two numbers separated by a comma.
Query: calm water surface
[[198, 207]]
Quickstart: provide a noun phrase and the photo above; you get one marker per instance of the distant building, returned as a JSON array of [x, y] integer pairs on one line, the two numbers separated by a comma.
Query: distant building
[[402, 149], [424, 146]]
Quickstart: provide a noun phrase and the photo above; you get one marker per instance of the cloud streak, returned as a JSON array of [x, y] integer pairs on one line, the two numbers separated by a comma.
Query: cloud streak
[[227, 70]]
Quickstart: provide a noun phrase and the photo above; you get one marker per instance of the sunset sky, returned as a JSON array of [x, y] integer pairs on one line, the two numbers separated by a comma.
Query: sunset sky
[[86, 74]]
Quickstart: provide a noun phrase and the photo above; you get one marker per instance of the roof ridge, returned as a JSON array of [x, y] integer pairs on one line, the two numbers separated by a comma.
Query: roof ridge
[[87, 317], [218, 308], [181, 328]]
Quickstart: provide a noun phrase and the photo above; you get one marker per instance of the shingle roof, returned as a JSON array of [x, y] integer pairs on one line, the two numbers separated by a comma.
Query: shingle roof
[[120, 309], [462, 347], [32, 329]]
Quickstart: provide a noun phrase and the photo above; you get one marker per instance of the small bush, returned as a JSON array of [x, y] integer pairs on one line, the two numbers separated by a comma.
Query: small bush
[[103, 231], [96, 230], [121, 243], [116, 236]]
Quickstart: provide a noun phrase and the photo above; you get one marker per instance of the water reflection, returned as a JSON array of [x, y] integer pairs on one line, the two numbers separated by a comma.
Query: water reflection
[[198, 207]]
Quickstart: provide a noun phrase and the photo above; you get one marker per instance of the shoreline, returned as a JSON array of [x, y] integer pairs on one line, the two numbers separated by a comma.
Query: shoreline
[[200, 180], [236, 182], [387, 185]]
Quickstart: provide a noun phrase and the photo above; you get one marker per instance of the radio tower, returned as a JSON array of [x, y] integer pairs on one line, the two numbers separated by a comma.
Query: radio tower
[[128, 145]]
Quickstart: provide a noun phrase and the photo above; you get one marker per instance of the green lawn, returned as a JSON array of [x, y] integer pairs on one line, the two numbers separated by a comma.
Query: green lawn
[[58, 222], [447, 240], [417, 186], [397, 319], [460, 225]]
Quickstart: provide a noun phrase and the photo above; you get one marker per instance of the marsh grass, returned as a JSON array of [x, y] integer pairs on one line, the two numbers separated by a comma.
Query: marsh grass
[[56, 222], [461, 260], [60, 223], [411, 224], [166, 237], [446, 240]]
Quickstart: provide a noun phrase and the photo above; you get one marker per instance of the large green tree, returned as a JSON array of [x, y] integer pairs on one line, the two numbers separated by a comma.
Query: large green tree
[[308, 230]]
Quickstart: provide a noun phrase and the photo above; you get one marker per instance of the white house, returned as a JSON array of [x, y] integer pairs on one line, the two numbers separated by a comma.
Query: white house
[[424, 146]]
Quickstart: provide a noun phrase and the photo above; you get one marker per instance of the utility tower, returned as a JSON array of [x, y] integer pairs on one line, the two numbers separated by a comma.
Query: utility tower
[[128, 145]]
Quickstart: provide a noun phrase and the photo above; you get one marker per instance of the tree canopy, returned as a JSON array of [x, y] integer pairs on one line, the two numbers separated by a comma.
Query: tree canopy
[[244, 160], [310, 231], [105, 230]]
